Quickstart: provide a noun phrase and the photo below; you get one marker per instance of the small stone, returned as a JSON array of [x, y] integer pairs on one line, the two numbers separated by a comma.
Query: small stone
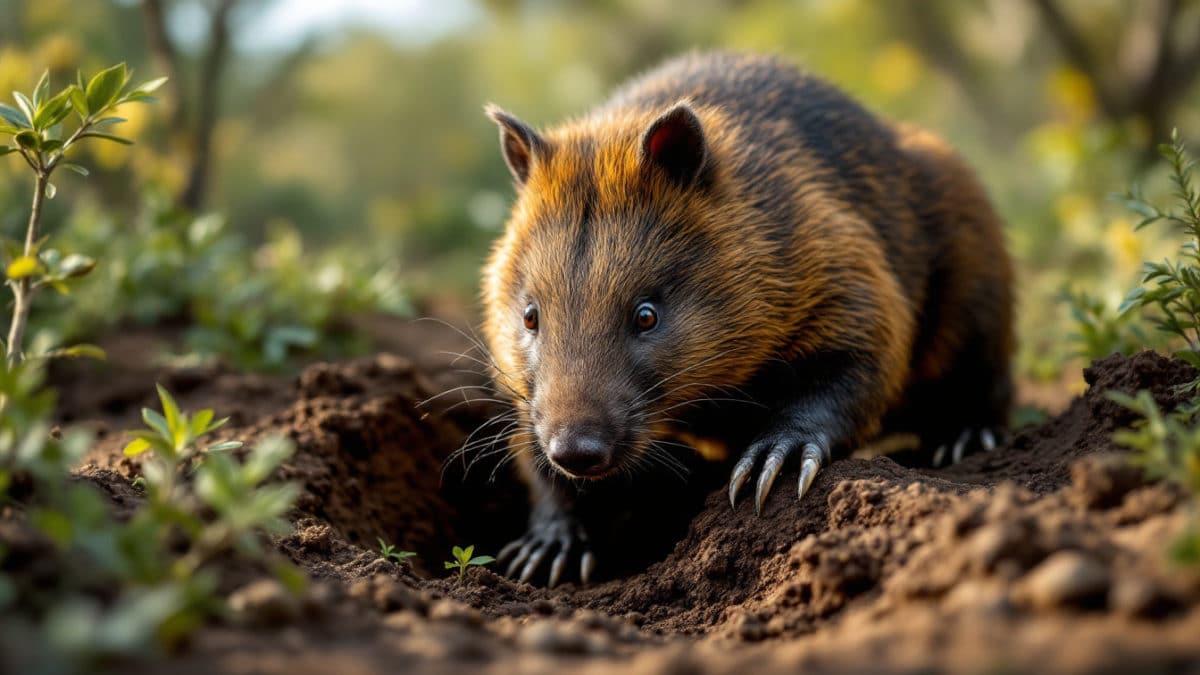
[[264, 603], [1065, 578], [1137, 596], [457, 612], [553, 637], [1102, 481], [980, 597]]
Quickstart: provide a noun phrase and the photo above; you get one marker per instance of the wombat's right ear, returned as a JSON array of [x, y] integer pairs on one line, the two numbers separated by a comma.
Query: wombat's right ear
[[520, 144]]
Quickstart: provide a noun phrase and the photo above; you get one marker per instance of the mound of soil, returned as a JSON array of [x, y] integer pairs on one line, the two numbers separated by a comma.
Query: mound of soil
[[1047, 554]]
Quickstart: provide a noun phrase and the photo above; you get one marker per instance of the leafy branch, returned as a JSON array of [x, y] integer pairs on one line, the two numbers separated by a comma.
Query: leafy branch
[[1175, 291], [36, 128]]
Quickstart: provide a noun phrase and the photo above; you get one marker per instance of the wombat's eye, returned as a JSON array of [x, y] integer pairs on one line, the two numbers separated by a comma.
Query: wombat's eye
[[531, 317], [645, 317]]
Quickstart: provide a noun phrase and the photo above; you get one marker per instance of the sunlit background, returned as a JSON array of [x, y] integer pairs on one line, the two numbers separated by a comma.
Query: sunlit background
[[350, 168]]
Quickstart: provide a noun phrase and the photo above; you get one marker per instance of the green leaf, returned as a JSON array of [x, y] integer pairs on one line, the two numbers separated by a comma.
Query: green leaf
[[201, 421], [14, 117], [169, 408], [225, 446], [4, 150], [149, 87], [79, 102], [42, 89], [80, 351], [25, 105], [481, 560], [54, 110], [23, 267], [450, 565], [82, 171], [102, 90], [76, 265], [157, 422], [107, 137], [458, 553], [136, 447], [28, 139]]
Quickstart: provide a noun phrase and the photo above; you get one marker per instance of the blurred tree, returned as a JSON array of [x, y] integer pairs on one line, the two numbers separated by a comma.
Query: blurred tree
[[194, 125]]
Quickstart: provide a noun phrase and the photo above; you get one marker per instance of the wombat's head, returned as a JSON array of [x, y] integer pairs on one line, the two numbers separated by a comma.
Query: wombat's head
[[624, 288]]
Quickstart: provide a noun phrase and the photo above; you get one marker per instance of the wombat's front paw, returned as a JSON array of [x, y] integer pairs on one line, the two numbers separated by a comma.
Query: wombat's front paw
[[550, 530], [778, 447]]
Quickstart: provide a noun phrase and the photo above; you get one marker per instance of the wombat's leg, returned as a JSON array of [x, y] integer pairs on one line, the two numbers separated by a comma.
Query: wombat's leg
[[551, 528], [834, 402]]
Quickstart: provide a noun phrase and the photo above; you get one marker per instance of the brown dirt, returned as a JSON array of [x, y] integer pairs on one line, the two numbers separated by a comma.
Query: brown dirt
[[1044, 555]]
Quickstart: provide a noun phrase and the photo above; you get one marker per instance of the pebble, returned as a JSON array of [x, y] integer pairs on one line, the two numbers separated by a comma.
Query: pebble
[[1065, 578], [264, 603], [554, 637], [457, 612]]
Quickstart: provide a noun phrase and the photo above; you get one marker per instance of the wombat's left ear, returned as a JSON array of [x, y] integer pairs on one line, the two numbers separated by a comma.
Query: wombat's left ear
[[675, 144], [520, 144]]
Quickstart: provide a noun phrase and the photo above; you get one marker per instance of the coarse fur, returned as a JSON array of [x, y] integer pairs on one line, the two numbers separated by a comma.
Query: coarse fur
[[801, 254]]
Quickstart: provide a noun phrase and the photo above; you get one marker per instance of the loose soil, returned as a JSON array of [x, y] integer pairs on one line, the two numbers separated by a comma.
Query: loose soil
[[1047, 554]]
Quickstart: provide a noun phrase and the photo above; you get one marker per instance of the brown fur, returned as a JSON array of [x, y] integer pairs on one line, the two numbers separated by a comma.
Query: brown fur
[[773, 257]]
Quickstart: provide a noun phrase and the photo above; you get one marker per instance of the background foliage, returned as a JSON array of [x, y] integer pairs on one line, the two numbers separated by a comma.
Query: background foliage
[[360, 147]]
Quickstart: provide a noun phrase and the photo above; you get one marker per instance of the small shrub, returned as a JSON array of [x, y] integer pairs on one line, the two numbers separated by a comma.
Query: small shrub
[[36, 126], [1168, 448], [135, 585], [1171, 289], [1168, 444], [1100, 329]]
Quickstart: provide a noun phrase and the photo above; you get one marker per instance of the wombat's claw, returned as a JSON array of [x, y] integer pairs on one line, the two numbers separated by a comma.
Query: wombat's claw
[[987, 441], [812, 458], [529, 551]]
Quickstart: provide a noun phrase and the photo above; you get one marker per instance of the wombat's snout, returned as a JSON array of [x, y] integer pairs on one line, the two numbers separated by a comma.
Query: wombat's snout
[[582, 450]]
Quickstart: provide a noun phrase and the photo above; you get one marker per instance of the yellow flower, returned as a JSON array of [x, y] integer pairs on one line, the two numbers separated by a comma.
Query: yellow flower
[[1071, 93], [896, 69]]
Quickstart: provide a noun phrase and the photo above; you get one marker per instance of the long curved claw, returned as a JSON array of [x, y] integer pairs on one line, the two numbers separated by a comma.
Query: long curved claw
[[939, 456], [741, 472], [811, 461], [587, 566], [509, 549], [988, 439], [519, 559], [960, 446], [770, 471], [531, 566], [556, 568]]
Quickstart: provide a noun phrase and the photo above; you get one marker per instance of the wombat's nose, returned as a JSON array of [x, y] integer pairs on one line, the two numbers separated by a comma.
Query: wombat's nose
[[582, 451]]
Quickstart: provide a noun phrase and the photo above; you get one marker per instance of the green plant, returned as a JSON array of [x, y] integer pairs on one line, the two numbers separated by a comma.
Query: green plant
[[389, 552], [1168, 446], [128, 585], [1101, 330], [1174, 297], [463, 559], [38, 137]]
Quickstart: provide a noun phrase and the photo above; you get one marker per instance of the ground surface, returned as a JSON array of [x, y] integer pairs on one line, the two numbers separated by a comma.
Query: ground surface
[[1044, 555]]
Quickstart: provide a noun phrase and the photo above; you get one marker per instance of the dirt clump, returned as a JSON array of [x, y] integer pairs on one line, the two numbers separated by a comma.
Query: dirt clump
[[1046, 554]]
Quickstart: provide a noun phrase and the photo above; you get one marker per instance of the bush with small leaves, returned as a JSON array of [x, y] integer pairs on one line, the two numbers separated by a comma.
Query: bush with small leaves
[[464, 558], [1168, 446], [1170, 290], [41, 135], [389, 552], [1101, 329], [128, 586]]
